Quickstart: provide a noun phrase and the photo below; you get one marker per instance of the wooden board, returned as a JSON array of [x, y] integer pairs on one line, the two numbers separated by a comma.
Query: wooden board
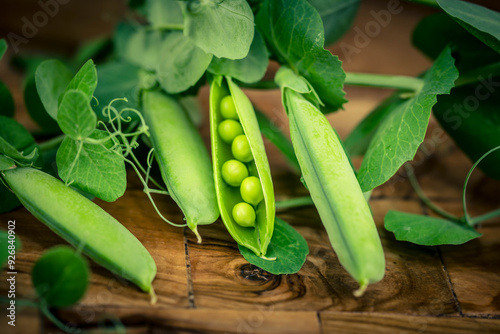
[[210, 288]]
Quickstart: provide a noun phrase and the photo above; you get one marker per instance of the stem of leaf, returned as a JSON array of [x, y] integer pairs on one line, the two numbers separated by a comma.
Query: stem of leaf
[[294, 202], [51, 143], [477, 74], [467, 218], [486, 216], [384, 81], [424, 198]]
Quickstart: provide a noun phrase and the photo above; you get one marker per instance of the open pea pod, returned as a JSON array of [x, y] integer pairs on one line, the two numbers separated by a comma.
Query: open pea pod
[[335, 191], [257, 237]]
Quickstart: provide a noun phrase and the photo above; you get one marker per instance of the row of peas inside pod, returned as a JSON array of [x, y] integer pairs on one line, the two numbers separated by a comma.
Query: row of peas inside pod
[[240, 171]]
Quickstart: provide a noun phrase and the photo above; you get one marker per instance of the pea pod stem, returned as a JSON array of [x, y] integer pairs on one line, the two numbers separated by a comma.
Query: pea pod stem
[[363, 79], [294, 202], [384, 81], [420, 193], [484, 217]]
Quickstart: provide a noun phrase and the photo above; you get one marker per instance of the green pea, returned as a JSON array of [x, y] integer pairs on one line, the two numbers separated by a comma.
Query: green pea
[[229, 129], [227, 108], [234, 172], [83, 224], [251, 190], [244, 214], [241, 149]]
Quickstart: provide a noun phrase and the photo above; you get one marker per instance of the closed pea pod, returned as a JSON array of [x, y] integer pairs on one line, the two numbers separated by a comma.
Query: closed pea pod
[[335, 191], [256, 238], [183, 159], [83, 224]]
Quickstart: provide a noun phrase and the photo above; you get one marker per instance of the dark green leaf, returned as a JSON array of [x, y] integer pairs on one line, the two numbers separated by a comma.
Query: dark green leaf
[[478, 20], [3, 47], [222, 28], [359, 139], [139, 46], [403, 130], [7, 107], [337, 17], [93, 168], [16, 142], [249, 69], [278, 138], [427, 231], [287, 246], [52, 77], [467, 49], [85, 80], [117, 79], [95, 49], [75, 117], [164, 14], [36, 109], [8, 246], [294, 32], [8, 201], [181, 64], [60, 277], [471, 116]]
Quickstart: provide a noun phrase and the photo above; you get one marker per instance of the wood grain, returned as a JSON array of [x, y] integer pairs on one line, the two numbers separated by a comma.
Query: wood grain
[[349, 323]]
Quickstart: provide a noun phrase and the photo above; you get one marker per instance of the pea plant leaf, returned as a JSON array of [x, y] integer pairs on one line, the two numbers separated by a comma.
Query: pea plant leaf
[[75, 116], [60, 277], [6, 101], [278, 139], [93, 168], [478, 20], [427, 231], [249, 69], [3, 47], [16, 142], [181, 64], [467, 49], [287, 246], [337, 16], [117, 79], [139, 46], [471, 117], [36, 109], [222, 28], [52, 77], [85, 80], [8, 201], [294, 32], [7, 244], [359, 139], [401, 133], [164, 14]]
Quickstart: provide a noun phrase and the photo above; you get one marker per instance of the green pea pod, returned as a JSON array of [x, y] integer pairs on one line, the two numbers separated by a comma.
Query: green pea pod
[[83, 224], [335, 191], [183, 159], [256, 239]]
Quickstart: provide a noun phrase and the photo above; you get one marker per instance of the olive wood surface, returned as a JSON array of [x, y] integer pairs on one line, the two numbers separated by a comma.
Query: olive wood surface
[[210, 288]]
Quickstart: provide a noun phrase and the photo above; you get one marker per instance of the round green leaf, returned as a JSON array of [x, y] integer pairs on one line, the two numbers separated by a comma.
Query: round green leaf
[[60, 277], [75, 116]]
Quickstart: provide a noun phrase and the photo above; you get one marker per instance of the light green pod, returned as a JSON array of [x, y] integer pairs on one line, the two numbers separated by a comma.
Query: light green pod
[[183, 158], [335, 191], [83, 224], [256, 239]]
